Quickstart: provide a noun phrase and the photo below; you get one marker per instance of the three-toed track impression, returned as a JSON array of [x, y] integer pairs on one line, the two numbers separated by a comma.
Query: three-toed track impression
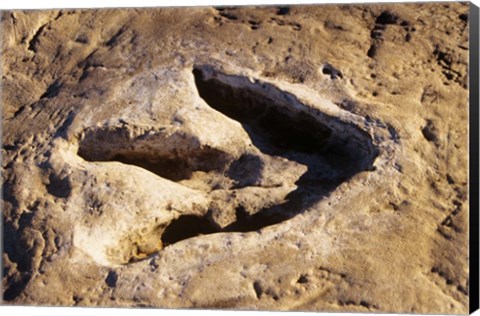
[[310, 151]]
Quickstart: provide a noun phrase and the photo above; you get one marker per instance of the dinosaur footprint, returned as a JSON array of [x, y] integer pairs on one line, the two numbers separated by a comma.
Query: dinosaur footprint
[[264, 158]]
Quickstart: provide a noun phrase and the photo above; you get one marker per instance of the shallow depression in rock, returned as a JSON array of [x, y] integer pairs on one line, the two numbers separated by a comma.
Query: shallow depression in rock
[[280, 127]]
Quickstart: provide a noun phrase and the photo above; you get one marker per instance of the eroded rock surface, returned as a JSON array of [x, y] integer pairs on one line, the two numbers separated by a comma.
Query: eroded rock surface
[[280, 158]]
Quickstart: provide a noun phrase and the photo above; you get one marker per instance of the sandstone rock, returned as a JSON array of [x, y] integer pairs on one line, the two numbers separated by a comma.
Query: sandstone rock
[[301, 158]]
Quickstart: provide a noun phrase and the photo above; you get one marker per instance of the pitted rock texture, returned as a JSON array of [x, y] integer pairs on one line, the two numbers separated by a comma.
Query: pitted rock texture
[[272, 158]]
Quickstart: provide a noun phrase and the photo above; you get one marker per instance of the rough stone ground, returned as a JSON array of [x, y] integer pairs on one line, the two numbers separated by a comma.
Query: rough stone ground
[[294, 158]]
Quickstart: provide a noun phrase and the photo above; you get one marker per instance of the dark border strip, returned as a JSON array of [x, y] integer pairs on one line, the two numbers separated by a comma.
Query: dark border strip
[[474, 161]]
